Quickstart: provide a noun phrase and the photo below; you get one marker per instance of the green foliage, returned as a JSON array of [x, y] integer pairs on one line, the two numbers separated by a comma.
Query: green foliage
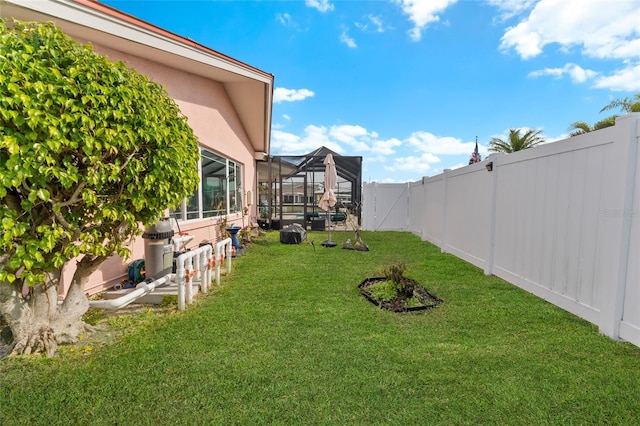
[[628, 104], [414, 302], [516, 141], [395, 271], [88, 150], [383, 290], [580, 127]]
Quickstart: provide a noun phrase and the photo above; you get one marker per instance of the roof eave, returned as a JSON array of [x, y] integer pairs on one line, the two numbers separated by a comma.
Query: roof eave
[[250, 89]]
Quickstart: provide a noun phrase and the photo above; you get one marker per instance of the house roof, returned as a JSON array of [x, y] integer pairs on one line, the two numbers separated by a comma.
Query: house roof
[[249, 89]]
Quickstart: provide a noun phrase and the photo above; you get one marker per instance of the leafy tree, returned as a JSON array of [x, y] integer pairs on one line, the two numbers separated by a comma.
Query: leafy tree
[[89, 150], [516, 141], [580, 127], [628, 104]]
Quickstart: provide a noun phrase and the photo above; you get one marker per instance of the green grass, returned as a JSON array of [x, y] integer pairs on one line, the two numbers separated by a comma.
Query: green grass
[[288, 340]]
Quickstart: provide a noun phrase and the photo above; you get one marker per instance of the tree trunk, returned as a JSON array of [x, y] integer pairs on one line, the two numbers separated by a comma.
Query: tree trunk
[[38, 323], [29, 317]]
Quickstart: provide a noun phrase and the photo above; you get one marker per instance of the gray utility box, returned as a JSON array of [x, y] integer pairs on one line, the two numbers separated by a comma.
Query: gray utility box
[[158, 250]]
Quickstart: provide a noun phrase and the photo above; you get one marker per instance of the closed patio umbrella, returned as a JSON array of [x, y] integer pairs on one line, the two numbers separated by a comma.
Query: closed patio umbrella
[[328, 199]]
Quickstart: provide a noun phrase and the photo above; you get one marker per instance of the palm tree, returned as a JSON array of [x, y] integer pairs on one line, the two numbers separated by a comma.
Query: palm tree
[[580, 127], [516, 142], [628, 104]]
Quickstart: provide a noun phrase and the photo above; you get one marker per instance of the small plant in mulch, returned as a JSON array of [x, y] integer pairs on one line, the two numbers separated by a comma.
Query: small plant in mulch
[[397, 293]]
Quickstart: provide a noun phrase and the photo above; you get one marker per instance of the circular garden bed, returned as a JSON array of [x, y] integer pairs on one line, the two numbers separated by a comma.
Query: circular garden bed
[[409, 296]]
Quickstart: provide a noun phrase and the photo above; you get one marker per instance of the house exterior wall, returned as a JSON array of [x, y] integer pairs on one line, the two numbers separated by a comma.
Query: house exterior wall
[[214, 121], [561, 221]]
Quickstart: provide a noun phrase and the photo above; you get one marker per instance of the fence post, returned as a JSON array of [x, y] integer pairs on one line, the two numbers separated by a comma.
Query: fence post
[[618, 209], [445, 198], [407, 223], [423, 217], [488, 266]]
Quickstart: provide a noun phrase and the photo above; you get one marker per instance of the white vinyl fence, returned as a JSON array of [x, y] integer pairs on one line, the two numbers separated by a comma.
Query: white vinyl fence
[[388, 207], [561, 220]]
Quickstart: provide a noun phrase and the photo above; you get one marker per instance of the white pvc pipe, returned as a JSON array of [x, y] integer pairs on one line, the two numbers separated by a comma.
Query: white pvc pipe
[[200, 258], [222, 249], [205, 270], [180, 241], [188, 285], [184, 267], [142, 289]]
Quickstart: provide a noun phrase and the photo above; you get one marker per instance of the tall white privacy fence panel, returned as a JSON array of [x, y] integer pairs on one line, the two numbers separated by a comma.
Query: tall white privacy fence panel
[[414, 204], [561, 220]]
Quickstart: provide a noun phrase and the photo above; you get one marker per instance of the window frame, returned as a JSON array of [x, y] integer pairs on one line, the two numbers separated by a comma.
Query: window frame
[[193, 208]]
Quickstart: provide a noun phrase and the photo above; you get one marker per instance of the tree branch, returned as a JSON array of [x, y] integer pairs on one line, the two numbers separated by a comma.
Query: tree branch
[[75, 197]]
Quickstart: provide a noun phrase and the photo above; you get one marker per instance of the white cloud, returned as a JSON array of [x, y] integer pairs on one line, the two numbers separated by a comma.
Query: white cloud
[[280, 94], [387, 147], [510, 8], [392, 155], [626, 79], [602, 28], [344, 38], [339, 138], [284, 143], [286, 117], [576, 72], [444, 145], [422, 13], [372, 24], [377, 23], [322, 5], [413, 164], [355, 136], [285, 19]]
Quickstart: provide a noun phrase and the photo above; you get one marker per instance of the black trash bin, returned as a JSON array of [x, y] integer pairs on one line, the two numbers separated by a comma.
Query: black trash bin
[[293, 234]]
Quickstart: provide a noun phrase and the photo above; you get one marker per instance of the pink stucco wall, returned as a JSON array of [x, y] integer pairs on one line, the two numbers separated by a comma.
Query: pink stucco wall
[[215, 122]]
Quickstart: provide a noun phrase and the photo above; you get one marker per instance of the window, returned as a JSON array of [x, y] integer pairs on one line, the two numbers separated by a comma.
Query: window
[[219, 192]]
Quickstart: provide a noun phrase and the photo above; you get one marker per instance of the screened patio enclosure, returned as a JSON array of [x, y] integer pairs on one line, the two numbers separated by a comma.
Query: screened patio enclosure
[[290, 187]]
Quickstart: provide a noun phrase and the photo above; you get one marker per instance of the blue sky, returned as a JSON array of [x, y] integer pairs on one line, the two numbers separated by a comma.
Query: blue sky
[[409, 84]]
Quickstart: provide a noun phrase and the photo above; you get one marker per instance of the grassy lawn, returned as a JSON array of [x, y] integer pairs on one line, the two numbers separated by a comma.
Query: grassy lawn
[[287, 339]]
